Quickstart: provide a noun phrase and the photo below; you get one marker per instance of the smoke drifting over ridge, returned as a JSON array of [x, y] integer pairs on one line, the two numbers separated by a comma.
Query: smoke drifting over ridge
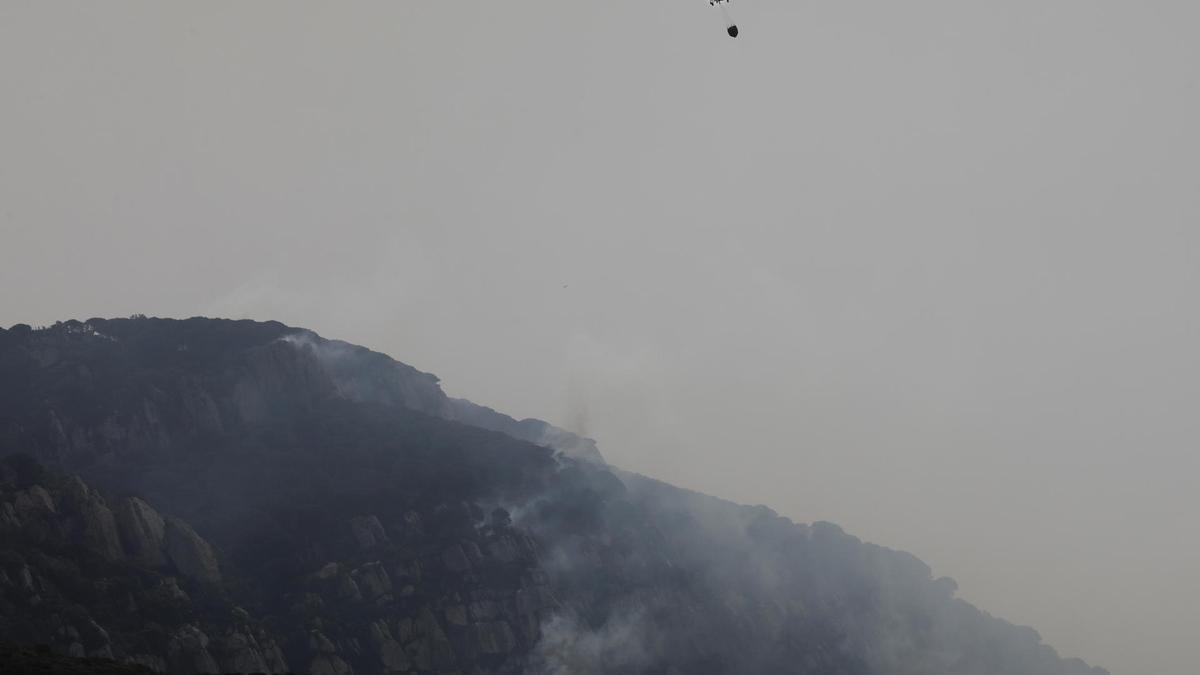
[[397, 523], [567, 648], [942, 294], [363, 375]]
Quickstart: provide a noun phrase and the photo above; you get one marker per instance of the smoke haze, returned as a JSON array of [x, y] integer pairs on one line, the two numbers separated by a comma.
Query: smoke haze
[[926, 270]]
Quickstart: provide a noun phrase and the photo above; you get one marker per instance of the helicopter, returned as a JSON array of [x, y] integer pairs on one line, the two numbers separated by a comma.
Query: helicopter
[[730, 27]]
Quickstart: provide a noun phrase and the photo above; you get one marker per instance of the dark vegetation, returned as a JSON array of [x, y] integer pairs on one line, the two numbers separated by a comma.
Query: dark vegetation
[[41, 660], [313, 506]]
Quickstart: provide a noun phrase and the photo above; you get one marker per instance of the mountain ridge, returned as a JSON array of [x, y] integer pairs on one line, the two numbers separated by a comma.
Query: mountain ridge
[[332, 507]]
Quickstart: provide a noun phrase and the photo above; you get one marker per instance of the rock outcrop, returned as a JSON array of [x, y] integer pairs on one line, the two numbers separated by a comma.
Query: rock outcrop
[[187, 652], [190, 553], [66, 512], [143, 531]]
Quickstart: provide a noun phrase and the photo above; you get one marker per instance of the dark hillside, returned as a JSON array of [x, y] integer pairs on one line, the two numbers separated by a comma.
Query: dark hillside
[[203, 496], [17, 660]]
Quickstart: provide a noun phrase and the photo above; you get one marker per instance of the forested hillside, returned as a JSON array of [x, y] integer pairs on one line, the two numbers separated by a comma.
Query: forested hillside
[[232, 496]]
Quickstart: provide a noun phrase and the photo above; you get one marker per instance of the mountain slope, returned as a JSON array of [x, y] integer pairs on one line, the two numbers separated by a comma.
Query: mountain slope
[[334, 512]]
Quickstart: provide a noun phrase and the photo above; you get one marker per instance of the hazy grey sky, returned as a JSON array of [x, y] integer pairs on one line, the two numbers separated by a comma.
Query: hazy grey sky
[[925, 269]]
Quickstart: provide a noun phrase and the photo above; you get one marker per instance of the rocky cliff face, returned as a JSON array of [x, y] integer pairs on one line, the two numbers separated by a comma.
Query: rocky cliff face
[[256, 499], [101, 577]]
